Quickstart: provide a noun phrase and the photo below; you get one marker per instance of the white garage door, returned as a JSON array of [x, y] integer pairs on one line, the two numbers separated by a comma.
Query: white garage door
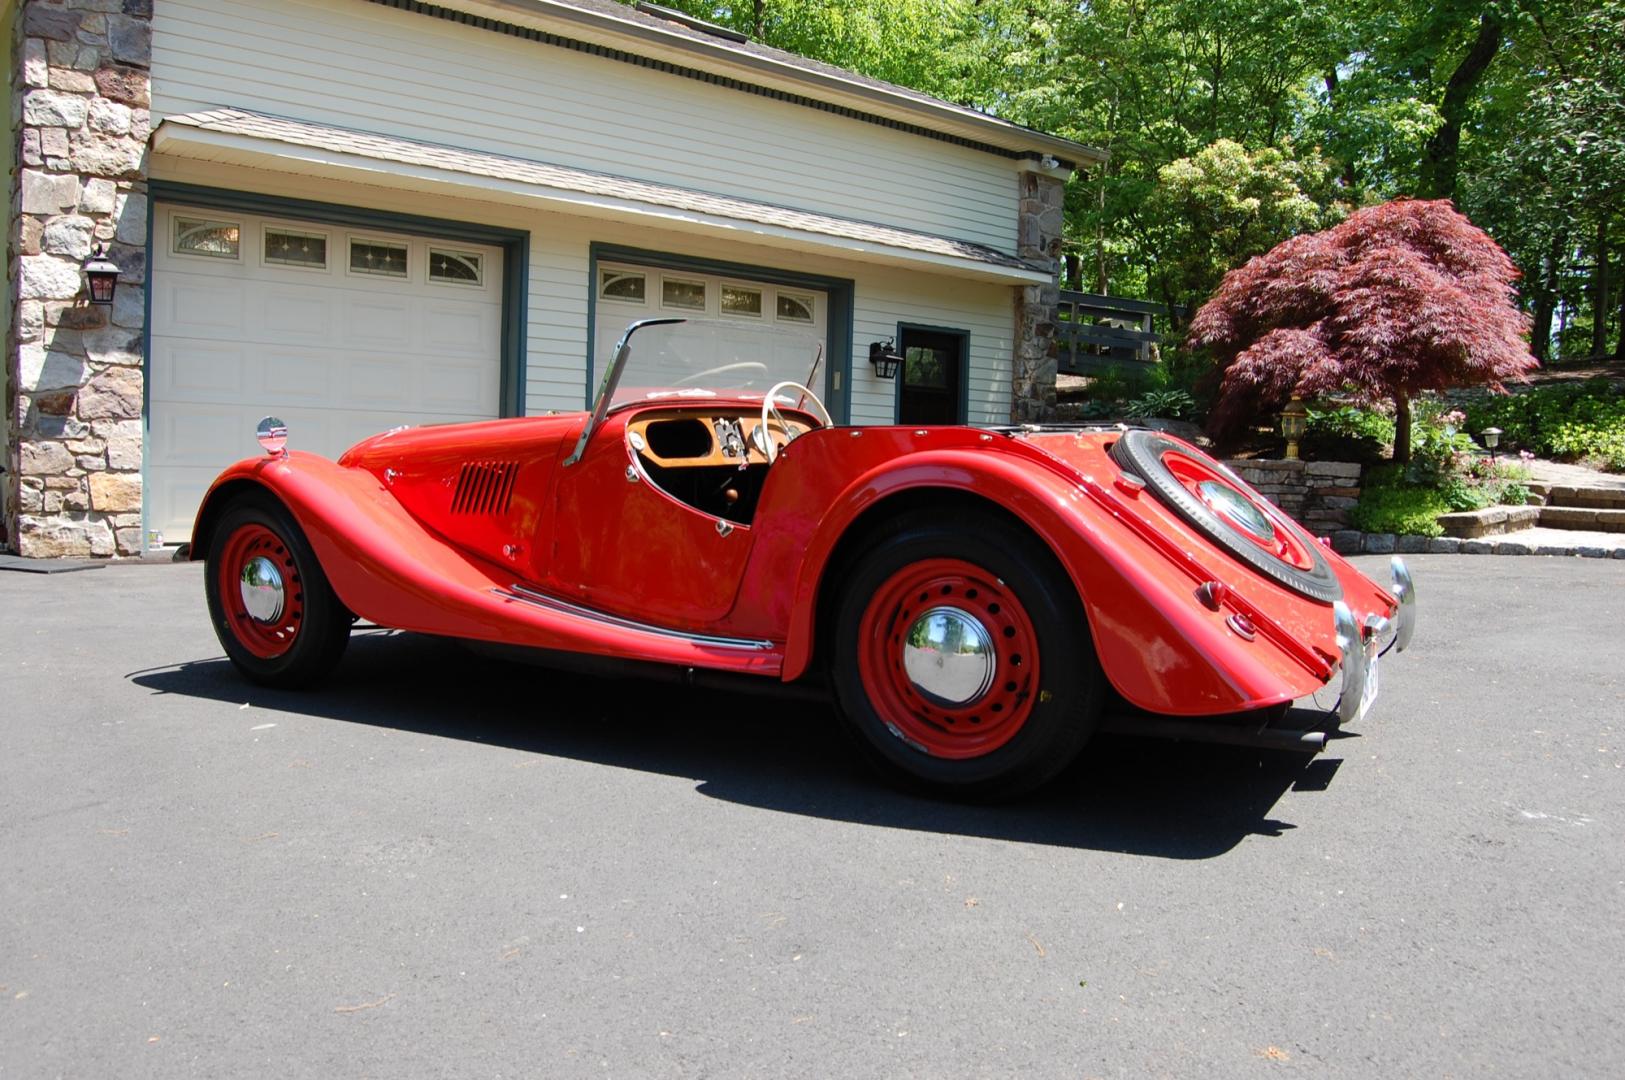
[[789, 323], [341, 332]]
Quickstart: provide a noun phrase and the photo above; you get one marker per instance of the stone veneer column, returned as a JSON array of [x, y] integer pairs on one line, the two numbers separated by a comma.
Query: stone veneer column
[[1038, 242], [80, 92]]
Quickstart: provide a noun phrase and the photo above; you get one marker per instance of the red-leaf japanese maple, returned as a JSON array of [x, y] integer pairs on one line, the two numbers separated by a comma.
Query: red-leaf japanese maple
[[1399, 298]]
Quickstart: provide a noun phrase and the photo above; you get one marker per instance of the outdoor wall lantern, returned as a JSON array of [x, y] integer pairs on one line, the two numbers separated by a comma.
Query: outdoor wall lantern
[[883, 355], [1492, 439], [102, 273], [1294, 422]]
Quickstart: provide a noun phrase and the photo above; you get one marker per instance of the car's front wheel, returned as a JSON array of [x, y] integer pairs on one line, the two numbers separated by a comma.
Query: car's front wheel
[[273, 610], [962, 660]]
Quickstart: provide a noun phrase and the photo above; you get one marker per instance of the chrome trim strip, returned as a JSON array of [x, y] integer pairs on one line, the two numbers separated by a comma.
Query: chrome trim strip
[[542, 600]]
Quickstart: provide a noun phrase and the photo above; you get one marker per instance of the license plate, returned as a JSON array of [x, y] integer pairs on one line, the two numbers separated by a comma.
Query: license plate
[[1368, 693]]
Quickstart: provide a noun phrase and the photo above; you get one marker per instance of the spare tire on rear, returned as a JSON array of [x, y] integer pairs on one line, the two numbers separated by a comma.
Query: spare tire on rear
[[1145, 454]]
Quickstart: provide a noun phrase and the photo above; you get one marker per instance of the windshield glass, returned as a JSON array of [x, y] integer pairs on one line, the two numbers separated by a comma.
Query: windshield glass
[[701, 358]]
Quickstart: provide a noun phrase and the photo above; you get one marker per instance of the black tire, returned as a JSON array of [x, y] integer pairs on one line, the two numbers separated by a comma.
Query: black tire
[[1141, 453], [1065, 704], [323, 629]]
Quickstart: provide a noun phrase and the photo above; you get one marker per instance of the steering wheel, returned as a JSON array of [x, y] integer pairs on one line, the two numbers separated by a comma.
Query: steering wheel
[[744, 365], [770, 408]]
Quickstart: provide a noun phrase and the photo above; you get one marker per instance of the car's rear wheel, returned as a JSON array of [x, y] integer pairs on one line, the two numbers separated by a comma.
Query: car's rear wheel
[[273, 610], [962, 661]]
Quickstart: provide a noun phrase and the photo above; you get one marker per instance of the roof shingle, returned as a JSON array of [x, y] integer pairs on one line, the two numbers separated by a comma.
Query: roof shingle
[[241, 122]]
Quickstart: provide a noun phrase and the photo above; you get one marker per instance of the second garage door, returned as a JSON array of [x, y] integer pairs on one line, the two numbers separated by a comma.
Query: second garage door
[[342, 333]]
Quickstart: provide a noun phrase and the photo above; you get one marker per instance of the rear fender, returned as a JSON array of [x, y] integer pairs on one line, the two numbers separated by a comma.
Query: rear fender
[[1160, 649]]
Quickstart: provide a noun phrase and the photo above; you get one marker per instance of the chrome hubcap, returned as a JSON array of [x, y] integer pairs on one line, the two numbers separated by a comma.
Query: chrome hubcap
[[948, 655], [263, 596]]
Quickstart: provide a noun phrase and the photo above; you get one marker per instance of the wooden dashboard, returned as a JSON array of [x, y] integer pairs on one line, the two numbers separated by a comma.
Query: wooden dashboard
[[694, 438]]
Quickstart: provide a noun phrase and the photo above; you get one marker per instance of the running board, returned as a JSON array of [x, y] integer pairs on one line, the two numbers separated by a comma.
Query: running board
[[530, 596]]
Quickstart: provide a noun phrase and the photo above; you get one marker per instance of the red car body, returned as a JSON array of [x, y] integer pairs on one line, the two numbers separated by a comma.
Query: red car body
[[484, 532]]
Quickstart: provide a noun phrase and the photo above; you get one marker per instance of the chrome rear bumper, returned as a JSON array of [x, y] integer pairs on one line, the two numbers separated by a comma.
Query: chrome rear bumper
[[1360, 646]]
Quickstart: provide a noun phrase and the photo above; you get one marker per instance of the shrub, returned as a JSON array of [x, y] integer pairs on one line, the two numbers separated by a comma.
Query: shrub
[[1406, 498], [1405, 509], [1347, 433], [1577, 421], [1170, 404]]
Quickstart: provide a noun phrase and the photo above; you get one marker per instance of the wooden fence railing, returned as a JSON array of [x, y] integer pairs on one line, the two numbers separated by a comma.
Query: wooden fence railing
[[1097, 332]]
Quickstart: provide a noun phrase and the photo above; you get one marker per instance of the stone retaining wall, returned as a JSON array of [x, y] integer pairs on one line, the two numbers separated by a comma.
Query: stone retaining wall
[[1319, 494], [82, 94]]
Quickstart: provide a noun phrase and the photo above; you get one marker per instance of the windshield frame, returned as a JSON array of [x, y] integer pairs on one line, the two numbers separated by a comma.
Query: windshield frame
[[612, 379]]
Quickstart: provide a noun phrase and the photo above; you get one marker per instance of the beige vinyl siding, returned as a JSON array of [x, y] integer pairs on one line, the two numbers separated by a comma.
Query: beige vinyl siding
[[986, 312], [360, 65], [556, 341]]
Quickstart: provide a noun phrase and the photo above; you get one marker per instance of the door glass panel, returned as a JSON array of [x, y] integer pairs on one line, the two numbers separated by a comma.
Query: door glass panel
[[925, 367]]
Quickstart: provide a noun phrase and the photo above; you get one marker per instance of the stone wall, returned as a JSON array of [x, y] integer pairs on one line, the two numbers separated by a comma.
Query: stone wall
[[1319, 494], [1042, 217], [81, 94]]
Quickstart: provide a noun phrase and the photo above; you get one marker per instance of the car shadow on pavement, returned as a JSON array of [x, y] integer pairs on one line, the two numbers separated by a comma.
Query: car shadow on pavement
[[1137, 796]]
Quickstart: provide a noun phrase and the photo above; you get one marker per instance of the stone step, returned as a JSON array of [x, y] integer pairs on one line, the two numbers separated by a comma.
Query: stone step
[[1472, 524], [1597, 498], [1584, 518]]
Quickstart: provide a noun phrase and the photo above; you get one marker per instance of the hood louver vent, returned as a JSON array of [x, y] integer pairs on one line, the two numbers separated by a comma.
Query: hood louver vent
[[484, 487]]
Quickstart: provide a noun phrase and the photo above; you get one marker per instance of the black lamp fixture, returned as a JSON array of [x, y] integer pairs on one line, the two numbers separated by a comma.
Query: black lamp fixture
[[883, 355], [102, 274], [1492, 439]]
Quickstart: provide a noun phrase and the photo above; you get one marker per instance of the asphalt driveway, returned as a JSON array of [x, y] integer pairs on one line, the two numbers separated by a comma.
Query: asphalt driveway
[[443, 865]]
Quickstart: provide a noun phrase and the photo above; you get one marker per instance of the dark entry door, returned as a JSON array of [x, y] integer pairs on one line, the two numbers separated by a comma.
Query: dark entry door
[[932, 380]]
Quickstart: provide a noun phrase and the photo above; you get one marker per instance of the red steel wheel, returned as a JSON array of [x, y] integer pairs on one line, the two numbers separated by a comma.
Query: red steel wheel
[[273, 610], [263, 597], [950, 658], [960, 655]]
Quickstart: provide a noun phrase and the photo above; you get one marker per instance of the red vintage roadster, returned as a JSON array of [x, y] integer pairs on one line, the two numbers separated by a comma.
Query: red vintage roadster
[[973, 599]]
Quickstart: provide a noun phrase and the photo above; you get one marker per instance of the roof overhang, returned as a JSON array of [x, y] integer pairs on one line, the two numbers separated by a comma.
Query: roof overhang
[[241, 138], [623, 27]]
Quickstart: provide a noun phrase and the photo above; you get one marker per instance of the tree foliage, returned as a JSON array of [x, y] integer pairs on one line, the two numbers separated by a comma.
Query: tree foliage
[[1400, 298], [1222, 206], [1511, 108]]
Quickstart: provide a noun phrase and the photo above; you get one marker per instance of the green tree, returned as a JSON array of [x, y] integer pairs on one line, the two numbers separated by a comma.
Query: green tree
[[1217, 209]]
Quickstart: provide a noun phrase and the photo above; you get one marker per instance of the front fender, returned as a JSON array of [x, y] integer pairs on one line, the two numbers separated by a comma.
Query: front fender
[[1160, 649], [387, 567]]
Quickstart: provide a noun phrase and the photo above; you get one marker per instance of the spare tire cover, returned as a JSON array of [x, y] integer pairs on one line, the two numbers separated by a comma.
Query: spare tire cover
[[1142, 453]]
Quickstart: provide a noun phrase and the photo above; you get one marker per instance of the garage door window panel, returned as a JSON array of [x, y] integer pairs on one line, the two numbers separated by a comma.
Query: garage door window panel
[[295, 248], [741, 302], [795, 308], [682, 294], [622, 286], [378, 258], [462, 268], [208, 238]]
